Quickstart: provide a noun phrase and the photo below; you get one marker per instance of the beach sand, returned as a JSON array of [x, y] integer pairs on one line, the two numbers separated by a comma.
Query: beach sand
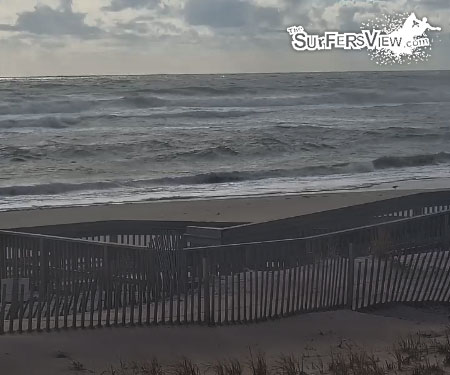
[[314, 335], [248, 209]]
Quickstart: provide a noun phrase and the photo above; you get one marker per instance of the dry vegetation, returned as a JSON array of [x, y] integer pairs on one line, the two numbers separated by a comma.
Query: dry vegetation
[[416, 354]]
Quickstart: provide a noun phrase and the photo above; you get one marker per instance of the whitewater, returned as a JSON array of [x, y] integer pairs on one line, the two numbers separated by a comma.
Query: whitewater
[[91, 140]]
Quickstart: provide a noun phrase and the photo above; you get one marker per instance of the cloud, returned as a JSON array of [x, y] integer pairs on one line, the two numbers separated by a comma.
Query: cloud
[[230, 14], [322, 15], [118, 5], [44, 20], [190, 35], [66, 5], [432, 4], [348, 17]]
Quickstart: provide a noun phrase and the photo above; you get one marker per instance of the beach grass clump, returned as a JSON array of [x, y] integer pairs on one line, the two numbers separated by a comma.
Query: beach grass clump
[[355, 363], [447, 360], [339, 365], [257, 363], [426, 368], [443, 348], [288, 365], [412, 348], [184, 366], [413, 355], [319, 366], [153, 367], [400, 358], [226, 367]]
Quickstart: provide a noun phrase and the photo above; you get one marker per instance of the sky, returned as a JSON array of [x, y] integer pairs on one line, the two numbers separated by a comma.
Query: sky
[[84, 37]]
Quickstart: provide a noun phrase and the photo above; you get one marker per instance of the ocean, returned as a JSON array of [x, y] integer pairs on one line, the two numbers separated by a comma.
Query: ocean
[[89, 140]]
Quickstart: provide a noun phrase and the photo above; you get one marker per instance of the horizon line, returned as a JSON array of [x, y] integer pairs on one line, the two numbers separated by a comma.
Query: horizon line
[[223, 73]]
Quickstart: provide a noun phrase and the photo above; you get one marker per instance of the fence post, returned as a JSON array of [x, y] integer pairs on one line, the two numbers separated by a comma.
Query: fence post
[[206, 306], [351, 272], [43, 261], [14, 307], [2, 258], [106, 284], [105, 264], [446, 231]]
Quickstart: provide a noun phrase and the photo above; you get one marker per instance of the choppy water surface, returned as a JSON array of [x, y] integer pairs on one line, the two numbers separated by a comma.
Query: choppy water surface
[[82, 140]]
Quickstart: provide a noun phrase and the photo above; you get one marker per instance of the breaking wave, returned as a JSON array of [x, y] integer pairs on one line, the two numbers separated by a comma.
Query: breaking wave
[[126, 137], [232, 176], [60, 122], [411, 161]]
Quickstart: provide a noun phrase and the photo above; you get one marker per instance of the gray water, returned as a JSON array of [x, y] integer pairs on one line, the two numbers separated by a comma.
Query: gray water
[[84, 140]]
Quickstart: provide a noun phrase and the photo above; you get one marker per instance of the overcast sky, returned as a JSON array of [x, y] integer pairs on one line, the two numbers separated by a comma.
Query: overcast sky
[[77, 37]]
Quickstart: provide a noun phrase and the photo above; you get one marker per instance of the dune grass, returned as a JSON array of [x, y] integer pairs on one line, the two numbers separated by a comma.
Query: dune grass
[[415, 354]]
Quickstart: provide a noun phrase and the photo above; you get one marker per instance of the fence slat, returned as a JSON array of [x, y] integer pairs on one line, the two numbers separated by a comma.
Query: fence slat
[[444, 274], [89, 281], [2, 310]]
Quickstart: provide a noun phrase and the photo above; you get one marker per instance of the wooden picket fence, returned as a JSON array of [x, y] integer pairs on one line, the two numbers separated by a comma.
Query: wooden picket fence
[[241, 297], [60, 283], [313, 224], [143, 233]]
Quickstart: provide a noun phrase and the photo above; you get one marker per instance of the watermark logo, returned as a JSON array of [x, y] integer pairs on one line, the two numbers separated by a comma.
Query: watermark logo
[[396, 39]]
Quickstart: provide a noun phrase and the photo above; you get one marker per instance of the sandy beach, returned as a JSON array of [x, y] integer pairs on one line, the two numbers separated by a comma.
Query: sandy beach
[[248, 209], [313, 335]]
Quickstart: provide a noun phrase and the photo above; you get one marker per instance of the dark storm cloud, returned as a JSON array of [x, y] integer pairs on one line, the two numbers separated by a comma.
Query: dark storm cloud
[[229, 14], [118, 5], [44, 20]]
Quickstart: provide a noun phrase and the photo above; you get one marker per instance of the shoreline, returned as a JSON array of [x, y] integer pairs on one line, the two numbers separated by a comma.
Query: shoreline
[[428, 183], [232, 209]]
